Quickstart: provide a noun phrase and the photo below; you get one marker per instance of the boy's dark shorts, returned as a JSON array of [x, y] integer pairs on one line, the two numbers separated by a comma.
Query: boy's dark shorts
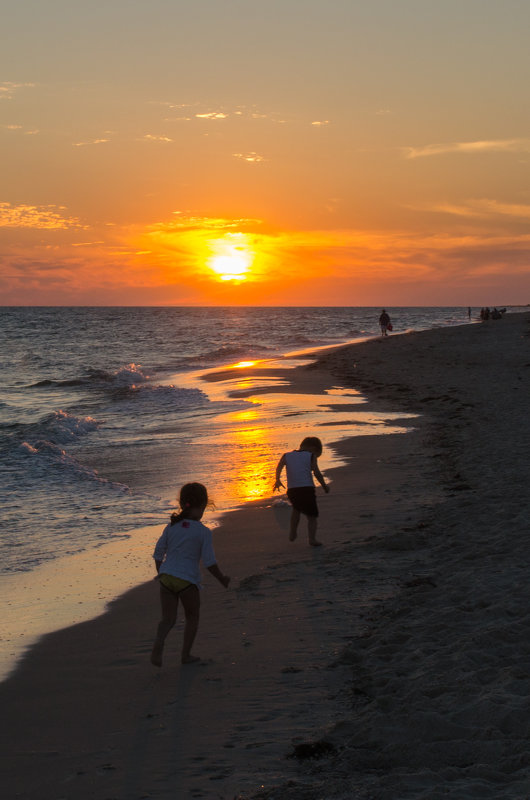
[[304, 499]]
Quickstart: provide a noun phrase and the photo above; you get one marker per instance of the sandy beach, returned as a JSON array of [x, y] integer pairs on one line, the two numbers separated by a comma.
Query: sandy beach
[[392, 663]]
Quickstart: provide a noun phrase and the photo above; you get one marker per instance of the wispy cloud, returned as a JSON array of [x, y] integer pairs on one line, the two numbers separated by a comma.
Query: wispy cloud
[[42, 217], [184, 220], [8, 89], [481, 209], [212, 115], [252, 158], [90, 142], [150, 137], [196, 111], [319, 123], [19, 129], [481, 146]]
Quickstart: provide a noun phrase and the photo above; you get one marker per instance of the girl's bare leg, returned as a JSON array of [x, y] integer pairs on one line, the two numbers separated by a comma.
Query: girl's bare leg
[[169, 606], [312, 531], [295, 519], [191, 600]]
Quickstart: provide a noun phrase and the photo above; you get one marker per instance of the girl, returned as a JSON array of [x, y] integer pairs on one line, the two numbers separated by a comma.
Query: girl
[[184, 543]]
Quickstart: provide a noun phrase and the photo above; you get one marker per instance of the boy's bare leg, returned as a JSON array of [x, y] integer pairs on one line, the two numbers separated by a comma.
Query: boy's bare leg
[[191, 600], [295, 519], [169, 606], [312, 531]]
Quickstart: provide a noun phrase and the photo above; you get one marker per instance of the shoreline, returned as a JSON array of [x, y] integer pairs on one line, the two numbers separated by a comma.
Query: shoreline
[[355, 646], [62, 603]]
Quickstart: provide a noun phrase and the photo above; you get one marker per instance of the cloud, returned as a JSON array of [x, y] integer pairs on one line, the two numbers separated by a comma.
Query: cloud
[[212, 115], [190, 222], [481, 209], [91, 142], [8, 89], [20, 129], [41, 217], [319, 123], [152, 138], [197, 111], [481, 146], [252, 158]]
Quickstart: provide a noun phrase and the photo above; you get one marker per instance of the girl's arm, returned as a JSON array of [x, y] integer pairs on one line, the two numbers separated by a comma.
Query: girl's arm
[[279, 468], [318, 475], [161, 549], [216, 572]]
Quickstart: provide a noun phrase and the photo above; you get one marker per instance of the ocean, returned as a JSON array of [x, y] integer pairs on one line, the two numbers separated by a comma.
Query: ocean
[[104, 414]]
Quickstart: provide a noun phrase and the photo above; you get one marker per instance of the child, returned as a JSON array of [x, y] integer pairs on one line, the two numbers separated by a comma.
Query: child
[[300, 466], [184, 543]]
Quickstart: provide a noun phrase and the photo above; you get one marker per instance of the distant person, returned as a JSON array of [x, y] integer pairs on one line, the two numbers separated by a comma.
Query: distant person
[[469, 312], [184, 543], [300, 466], [384, 322]]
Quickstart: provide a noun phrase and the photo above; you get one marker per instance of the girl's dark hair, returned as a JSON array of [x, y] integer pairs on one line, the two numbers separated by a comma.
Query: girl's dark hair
[[191, 496], [312, 443]]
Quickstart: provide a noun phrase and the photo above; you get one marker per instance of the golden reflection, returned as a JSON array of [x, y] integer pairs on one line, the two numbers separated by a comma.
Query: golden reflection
[[245, 416], [242, 364], [255, 479]]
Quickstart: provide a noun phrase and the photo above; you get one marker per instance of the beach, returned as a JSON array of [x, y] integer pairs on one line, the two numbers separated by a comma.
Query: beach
[[392, 663]]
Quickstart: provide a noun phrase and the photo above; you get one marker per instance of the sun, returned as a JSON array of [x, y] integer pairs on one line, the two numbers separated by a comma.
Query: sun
[[231, 257]]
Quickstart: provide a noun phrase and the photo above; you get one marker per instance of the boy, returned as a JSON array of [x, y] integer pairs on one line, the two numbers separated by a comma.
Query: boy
[[300, 466]]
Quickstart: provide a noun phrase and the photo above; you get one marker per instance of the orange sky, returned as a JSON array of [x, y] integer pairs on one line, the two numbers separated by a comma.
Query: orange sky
[[241, 153]]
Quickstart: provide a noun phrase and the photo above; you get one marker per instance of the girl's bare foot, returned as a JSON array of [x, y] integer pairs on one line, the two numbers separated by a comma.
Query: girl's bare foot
[[190, 660]]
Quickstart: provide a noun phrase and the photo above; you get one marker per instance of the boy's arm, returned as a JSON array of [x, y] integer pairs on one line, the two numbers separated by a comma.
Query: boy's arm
[[216, 572], [318, 475], [279, 468]]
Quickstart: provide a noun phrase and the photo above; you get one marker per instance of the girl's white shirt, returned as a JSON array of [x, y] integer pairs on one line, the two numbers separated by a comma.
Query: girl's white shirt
[[182, 547]]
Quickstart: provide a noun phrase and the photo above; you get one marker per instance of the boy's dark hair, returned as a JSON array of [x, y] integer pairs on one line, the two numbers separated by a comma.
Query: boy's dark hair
[[312, 443], [191, 496]]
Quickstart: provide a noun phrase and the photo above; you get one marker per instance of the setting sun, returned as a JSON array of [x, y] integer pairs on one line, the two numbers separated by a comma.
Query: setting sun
[[231, 258]]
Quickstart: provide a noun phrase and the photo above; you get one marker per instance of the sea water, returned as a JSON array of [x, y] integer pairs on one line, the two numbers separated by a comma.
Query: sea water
[[103, 414]]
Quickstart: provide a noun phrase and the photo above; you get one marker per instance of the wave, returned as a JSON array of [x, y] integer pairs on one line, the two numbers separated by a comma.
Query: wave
[[55, 456], [67, 427], [226, 354], [126, 376], [175, 396]]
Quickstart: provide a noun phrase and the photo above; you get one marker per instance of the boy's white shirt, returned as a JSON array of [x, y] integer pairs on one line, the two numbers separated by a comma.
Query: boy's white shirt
[[298, 468]]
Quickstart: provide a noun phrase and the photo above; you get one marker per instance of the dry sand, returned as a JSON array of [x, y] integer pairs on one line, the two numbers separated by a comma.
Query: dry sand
[[398, 655]]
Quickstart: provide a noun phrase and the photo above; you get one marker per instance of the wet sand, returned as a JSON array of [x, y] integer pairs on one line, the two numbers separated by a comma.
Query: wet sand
[[397, 656]]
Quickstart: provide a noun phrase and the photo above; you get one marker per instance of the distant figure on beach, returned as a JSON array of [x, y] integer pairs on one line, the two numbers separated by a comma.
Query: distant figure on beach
[[469, 312], [484, 314], [384, 321], [184, 543], [300, 466]]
